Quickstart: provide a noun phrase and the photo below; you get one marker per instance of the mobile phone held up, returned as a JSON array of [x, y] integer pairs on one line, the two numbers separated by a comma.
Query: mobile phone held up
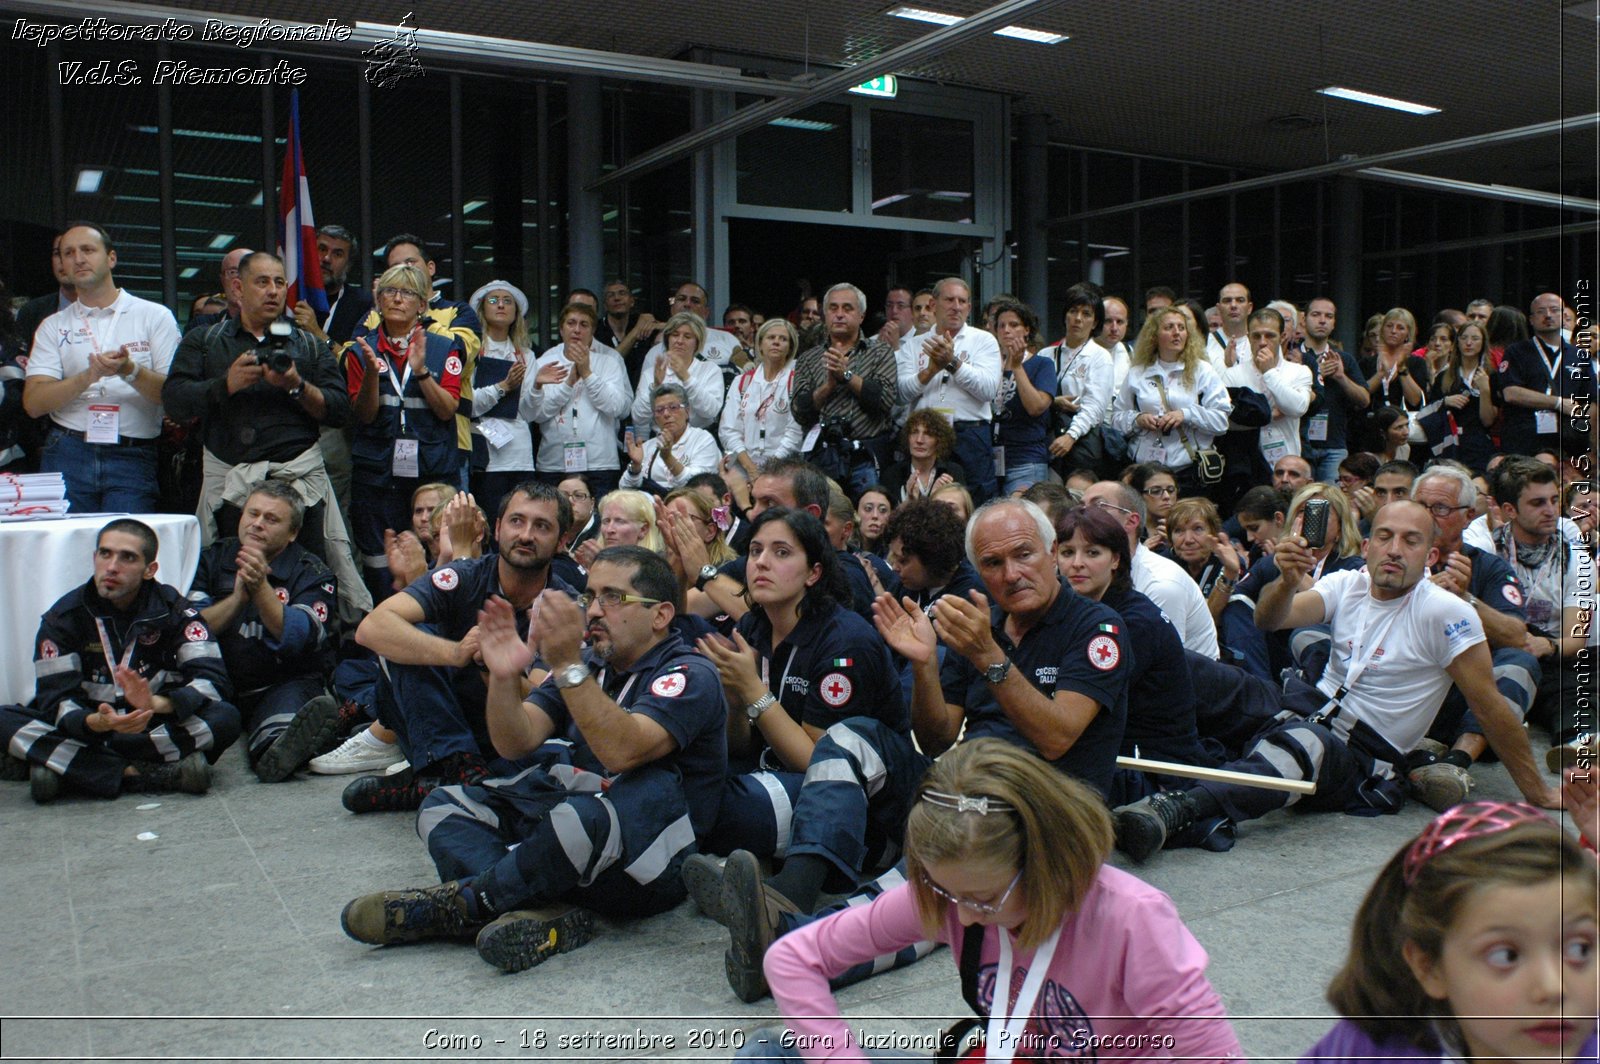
[[1314, 523]]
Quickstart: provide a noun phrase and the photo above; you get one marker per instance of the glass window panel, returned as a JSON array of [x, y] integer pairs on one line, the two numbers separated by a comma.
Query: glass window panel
[[1110, 248], [922, 167], [25, 175], [1254, 246], [411, 173], [1297, 219], [1063, 180], [1110, 179], [1208, 267], [1157, 177], [329, 118], [1160, 254], [801, 161], [112, 129], [499, 168]]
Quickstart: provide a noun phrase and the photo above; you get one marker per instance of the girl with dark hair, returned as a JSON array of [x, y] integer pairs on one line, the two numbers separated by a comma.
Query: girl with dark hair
[[872, 514], [800, 661], [1463, 386], [1476, 942], [1092, 554], [1022, 405]]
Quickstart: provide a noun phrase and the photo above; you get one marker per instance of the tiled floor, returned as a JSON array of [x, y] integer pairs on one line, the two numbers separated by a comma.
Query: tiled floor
[[219, 937]]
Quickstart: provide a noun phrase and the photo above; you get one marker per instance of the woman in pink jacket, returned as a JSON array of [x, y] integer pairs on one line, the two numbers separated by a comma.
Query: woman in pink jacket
[[1005, 864]]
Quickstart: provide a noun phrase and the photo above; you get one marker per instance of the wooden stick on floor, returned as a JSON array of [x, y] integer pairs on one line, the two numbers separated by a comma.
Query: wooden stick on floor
[[1218, 775]]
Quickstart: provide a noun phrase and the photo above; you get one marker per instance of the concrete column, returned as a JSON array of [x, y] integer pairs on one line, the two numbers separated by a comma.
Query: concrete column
[[1345, 262], [586, 261], [1033, 186]]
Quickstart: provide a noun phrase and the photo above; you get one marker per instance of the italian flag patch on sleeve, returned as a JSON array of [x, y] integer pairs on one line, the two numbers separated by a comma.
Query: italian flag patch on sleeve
[[1110, 628], [841, 663]]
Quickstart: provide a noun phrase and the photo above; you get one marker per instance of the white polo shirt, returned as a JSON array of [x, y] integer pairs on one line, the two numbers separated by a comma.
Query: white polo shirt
[[1165, 583], [965, 394], [720, 346], [66, 340]]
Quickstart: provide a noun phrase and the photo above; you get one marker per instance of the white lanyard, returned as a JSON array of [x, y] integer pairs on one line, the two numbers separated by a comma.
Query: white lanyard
[[1552, 365], [94, 340], [783, 681], [1005, 1030], [622, 694], [400, 382], [106, 649], [1369, 649]]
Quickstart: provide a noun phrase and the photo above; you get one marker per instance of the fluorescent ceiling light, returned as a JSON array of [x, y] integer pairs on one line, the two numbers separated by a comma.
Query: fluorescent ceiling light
[[258, 200], [209, 134], [922, 14], [215, 178], [89, 181], [222, 240], [1357, 96], [809, 124], [472, 205], [1022, 33], [885, 201], [190, 272], [950, 197], [204, 203]]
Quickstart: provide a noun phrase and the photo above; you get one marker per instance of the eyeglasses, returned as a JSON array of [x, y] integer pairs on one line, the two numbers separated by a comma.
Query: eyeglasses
[[669, 408], [985, 908], [500, 301], [1101, 504], [576, 496], [1169, 490], [610, 600], [397, 293], [1441, 511]]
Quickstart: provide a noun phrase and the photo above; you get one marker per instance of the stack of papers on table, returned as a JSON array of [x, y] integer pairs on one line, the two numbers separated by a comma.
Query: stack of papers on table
[[27, 495]]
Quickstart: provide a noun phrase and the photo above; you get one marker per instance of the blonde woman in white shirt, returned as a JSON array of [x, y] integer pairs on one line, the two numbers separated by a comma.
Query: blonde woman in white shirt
[[683, 362], [1172, 402], [577, 392], [757, 420]]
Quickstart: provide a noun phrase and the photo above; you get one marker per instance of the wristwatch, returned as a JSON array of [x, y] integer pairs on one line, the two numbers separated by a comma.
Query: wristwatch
[[847, 375], [572, 675], [134, 374], [424, 375], [707, 571], [997, 672], [760, 706], [298, 390]]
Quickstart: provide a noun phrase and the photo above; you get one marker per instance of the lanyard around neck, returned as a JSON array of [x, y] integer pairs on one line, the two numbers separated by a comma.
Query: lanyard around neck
[[1005, 1029]]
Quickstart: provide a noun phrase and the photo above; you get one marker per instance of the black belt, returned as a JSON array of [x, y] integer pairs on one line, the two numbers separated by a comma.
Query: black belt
[[123, 441], [959, 425]]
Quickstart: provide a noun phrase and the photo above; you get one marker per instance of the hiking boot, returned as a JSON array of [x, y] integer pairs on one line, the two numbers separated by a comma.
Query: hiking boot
[[1144, 827], [1571, 754], [13, 768], [44, 784], [702, 878], [462, 767], [192, 775], [517, 941], [751, 910], [393, 917], [356, 754], [398, 793], [1439, 785], [312, 731]]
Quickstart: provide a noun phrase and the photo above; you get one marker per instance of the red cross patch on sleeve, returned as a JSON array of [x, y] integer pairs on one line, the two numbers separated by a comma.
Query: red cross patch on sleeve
[[669, 686], [196, 632], [445, 579], [836, 688], [319, 610], [1104, 653]]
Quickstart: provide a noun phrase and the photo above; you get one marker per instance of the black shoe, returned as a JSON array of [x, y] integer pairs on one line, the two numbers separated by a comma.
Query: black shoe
[[392, 917], [399, 793], [13, 768], [314, 730], [44, 784], [702, 878], [519, 940], [463, 768], [1144, 827], [352, 717], [192, 775], [751, 909]]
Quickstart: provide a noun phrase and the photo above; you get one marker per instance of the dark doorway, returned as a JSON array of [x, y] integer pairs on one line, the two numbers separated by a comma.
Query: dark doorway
[[768, 260]]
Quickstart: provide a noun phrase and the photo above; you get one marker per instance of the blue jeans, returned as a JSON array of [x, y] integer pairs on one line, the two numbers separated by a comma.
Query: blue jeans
[[1325, 462], [103, 477], [1024, 475], [975, 451]]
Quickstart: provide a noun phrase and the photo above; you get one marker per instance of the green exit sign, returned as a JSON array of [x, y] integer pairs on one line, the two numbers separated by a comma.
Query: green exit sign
[[886, 86]]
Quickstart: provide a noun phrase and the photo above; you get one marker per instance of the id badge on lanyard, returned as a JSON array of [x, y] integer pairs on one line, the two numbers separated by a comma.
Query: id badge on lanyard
[[105, 419], [407, 462], [1544, 421]]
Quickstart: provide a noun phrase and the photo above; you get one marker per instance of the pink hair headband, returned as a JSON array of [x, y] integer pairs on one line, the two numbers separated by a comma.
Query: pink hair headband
[[1469, 820]]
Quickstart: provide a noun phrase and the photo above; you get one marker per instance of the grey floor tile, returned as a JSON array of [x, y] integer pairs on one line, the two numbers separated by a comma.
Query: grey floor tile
[[147, 925]]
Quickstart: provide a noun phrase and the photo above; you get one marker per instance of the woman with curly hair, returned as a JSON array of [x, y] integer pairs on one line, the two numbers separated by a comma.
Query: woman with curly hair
[[928, 440]]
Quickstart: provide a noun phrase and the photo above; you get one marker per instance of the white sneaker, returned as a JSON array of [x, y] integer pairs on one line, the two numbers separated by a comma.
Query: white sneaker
[[356, 754]]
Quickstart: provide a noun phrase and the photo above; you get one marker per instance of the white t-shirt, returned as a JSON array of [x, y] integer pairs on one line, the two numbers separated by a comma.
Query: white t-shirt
[[966, 394], [1165, 583], [1418, 635], [66, 339]]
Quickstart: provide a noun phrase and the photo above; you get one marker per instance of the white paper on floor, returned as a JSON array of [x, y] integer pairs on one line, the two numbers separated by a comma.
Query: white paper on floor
[[146, 836], [149, 805]]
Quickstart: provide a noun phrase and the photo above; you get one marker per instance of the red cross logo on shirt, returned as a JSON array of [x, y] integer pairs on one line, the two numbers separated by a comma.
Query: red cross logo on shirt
[[1104, 653], [836, 688]]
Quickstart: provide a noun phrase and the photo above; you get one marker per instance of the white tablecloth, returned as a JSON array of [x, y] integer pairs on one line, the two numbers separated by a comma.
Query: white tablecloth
[[42, 560]]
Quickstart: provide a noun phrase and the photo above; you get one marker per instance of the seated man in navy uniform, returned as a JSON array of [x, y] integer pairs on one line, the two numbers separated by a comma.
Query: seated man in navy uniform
[[132, 693], [431, 680], [1042, 667], [272, 605], [614, 769]]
